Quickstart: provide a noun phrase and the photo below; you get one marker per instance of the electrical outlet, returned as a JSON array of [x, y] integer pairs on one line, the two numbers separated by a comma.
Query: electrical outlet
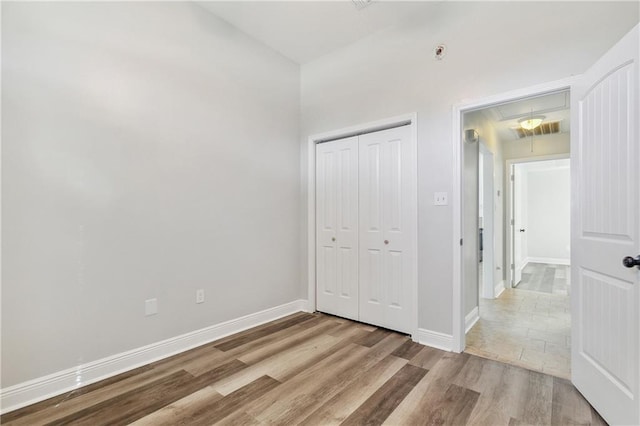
[[440, 199], [200, 296], [151, 307]]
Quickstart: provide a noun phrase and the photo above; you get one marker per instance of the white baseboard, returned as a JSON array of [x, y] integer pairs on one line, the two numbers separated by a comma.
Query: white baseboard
[[550, 260], [497, 291], [39, 389], [435, 339], [471, 319]]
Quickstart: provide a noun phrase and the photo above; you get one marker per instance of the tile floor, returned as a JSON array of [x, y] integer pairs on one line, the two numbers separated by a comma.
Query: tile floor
[[528, 328]]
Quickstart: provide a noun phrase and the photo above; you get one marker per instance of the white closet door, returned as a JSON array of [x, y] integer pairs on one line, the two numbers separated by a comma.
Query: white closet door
[[385, 234], [337, 227]]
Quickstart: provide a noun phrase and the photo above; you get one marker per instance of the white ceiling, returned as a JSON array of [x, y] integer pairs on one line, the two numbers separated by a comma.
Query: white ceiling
[[305, 30], [504, 117]]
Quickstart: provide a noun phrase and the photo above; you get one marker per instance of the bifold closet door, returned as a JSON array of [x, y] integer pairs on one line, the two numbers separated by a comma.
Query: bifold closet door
[[385, 260], [337, 227]]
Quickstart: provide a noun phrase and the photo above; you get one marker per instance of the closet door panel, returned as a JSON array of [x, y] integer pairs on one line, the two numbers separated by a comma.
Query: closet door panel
[[385, 280], [337, 227]]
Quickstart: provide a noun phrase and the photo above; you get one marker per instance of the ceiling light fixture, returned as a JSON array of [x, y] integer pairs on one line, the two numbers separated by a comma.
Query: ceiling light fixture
[[531, 122]]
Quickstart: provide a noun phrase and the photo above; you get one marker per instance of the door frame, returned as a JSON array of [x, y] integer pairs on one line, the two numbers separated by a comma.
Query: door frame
[[410, 119], [509, 200], [457, 199]]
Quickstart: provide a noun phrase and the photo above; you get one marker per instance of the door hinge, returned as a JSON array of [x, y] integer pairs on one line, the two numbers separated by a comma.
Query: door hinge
[[511, 221], [513, 267]]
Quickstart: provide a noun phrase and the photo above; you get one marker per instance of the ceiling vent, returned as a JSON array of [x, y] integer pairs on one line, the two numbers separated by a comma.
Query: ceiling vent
[[549, 128], [361, 4]]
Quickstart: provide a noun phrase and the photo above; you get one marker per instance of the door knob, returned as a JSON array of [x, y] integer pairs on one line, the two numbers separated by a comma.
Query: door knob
[[630, 262], [521, 230], [386, 241], [333, 238]]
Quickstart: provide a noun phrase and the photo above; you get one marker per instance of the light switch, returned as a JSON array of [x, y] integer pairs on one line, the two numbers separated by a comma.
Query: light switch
[[440, 199]]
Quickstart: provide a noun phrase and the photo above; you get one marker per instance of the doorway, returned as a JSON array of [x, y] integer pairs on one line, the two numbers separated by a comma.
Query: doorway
[[516, 237]]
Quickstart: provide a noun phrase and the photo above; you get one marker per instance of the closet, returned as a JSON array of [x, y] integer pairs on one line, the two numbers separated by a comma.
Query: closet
[[365, 257]]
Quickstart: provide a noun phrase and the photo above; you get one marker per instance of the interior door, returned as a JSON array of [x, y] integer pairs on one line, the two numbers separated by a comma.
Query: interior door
[[605, 357], [385, 229], [488, 288], [519, 226], [337, 227]]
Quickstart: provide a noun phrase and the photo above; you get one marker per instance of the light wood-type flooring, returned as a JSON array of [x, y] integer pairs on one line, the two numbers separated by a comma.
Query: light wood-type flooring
[[316, 369], [531, 329]]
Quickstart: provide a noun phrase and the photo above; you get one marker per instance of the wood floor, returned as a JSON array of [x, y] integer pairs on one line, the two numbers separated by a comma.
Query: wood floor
[[315, 369]]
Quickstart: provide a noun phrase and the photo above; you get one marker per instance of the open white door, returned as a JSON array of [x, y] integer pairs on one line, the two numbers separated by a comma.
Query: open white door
[[519, 226], [486, 209], [605, 215]]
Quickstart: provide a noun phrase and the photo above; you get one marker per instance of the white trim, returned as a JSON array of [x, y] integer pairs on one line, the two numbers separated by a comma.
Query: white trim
[[498, 289], [471, 319], [39, 389], [458, 342], [412, 119], [551, 260], [435, 339]]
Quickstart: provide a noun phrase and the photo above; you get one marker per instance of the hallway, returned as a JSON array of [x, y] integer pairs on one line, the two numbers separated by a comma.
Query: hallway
[[525, 327]]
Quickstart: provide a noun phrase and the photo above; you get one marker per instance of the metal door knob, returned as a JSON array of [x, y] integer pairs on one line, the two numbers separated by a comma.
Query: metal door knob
[[630, 262], [333, 238], [386, 241], [522, 230]]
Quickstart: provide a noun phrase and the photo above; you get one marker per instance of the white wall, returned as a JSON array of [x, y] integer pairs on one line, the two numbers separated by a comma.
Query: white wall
[[149, 149], [542, 146], [489, 138], [548, 214], [393, 72]]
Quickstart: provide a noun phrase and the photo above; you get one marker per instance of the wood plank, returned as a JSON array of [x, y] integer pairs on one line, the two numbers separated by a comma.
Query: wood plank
[[295, 392], [279, 365], [258, 332], [287, 342], [408, 350], [536, 399], [454, 408], [498, 385], [60, 399], [142, 401], [100, 394], [341, 405], [310, 396], [181, 411], [569, 407], [373, 337], [133, 404], [208, 407], [379, 405], [416, 405], [427, 357]]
